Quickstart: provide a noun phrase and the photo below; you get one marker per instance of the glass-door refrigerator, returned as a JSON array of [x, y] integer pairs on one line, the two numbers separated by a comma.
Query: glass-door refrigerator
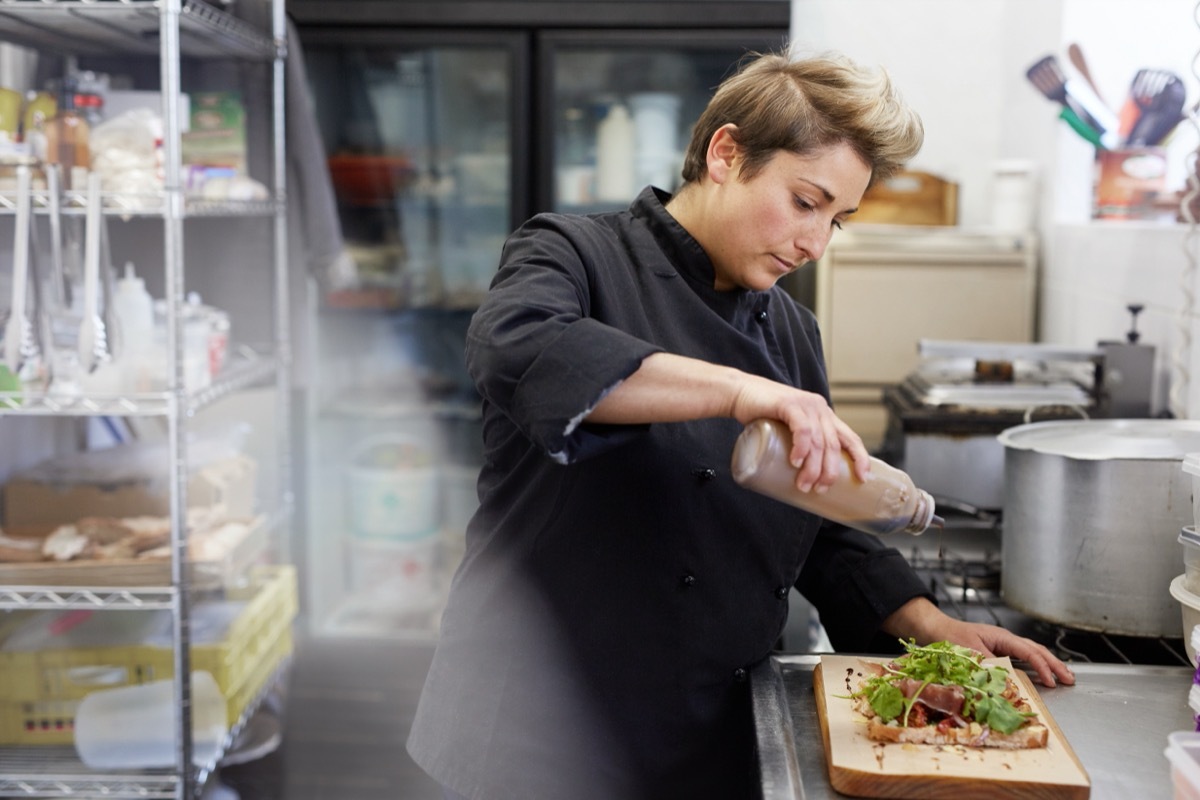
[[426, 147], [440, 141], [618, 107]]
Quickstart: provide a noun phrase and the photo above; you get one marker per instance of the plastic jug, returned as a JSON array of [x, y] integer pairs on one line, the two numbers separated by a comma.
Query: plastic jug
[[886, 502]]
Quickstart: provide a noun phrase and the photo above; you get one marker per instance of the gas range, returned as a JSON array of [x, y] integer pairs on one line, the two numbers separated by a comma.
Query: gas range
[[962, 566]]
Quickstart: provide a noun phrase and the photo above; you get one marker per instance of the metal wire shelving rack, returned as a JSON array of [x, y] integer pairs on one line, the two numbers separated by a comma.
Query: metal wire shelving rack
[[171, 30]]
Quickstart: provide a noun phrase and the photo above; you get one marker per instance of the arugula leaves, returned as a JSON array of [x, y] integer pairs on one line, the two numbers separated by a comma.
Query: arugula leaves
[[944, 663]]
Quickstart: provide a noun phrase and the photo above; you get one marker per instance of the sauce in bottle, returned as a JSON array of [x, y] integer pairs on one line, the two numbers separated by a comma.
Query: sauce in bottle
[[67, 139], [886, 502]]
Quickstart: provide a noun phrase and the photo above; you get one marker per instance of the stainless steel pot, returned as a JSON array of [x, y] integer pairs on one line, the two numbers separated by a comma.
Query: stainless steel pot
[[1092, 514]]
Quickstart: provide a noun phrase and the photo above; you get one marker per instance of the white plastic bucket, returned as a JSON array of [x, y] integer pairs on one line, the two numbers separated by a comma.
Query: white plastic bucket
[[392, 490], [394, 575]]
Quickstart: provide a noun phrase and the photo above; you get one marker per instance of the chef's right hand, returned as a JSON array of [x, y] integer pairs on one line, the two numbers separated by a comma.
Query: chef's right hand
[[818, 435]]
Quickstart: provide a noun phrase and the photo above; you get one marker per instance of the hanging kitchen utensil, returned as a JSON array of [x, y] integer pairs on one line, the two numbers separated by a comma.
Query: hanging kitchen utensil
[[20, 348], [1047, 75], [60, 287], [1079, 126], [93, 337], [1160, 113], [1145, 86], [108, 289], [39, 317], [1075, 55]]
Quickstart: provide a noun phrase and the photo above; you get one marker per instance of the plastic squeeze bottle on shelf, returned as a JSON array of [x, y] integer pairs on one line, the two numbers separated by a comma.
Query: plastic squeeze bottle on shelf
[[134, 310], [886, 502]]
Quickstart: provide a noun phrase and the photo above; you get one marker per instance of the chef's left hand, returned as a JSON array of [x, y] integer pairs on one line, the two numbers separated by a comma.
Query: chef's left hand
[[925, 622]]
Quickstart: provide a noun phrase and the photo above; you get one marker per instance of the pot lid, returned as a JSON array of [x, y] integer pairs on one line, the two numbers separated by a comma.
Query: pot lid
[[1101, 439]]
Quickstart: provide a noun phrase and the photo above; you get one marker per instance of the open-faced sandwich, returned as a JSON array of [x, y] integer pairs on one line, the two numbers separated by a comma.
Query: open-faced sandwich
[[943, 694]]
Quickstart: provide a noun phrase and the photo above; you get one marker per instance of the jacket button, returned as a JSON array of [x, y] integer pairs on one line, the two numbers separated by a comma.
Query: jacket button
[[704, 473], [761, 316], [739, 675], [781, 592], [689, 580]]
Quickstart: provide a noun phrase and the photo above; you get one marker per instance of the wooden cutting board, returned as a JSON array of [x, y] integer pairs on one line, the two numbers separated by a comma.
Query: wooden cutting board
[[862, 768]]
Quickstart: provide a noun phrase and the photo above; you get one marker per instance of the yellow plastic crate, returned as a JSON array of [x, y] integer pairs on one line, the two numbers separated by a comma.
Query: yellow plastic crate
[[40, 690]]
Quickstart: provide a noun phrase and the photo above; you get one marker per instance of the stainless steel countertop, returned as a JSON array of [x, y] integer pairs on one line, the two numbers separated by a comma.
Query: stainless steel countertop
[[1116, 717]]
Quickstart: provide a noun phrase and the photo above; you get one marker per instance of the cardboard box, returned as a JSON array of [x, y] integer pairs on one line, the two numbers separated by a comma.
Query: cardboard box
[[44, 497], [217, 138]]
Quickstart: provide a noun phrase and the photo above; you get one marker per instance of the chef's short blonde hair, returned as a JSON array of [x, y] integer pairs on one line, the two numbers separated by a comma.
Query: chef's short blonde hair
[[803, 106]]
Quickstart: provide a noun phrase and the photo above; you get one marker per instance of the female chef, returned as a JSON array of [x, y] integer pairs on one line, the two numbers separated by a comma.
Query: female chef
[[618, 585]]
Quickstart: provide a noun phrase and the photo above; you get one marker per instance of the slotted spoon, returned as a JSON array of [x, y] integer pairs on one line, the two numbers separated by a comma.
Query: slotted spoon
[[1147, 84], [1161, 111]]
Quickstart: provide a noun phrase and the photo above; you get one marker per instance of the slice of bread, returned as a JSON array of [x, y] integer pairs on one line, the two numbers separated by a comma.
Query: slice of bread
[[974, 735]]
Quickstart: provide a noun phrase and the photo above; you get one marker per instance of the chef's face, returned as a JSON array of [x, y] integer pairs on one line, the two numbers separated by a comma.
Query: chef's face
[[782, 217]]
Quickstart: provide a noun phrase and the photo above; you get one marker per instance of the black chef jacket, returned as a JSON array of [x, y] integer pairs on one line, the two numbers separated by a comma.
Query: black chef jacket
[[617, 584]]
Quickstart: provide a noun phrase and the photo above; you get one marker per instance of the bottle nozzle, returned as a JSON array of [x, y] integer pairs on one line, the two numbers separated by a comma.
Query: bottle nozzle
[[924, 517]]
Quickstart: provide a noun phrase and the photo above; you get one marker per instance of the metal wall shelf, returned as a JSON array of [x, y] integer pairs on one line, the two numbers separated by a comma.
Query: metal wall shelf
[[247, 367], [128, 27], [163, 32], [85, 597], [58, 772], [141, 205]]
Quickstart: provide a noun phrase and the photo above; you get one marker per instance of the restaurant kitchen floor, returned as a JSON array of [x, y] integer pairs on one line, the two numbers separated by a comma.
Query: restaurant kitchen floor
[[345, 713]]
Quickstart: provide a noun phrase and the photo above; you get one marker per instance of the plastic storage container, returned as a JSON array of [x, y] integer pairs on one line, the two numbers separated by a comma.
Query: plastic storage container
[[886, 502], [1190, 540], [395, 575], [133, 727], [392, 490], [1189, 609], [1183, 751], [1191, 465]]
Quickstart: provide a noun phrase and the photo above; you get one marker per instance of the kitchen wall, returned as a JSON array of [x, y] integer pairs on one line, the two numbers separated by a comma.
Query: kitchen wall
[[963, 66]]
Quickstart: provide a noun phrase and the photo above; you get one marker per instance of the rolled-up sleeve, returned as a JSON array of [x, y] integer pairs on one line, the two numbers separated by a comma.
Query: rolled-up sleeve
[[536, 350], [855, 581]]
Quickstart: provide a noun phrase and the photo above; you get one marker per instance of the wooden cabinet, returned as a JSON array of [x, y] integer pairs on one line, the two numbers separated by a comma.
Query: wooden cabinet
[[881, 289]]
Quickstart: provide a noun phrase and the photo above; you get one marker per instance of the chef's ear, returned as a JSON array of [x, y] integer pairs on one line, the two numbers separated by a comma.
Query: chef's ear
[[723, 152]]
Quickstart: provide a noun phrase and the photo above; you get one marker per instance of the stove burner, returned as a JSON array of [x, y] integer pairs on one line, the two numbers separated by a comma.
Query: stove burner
[[976, 575], [968, 588], [1071, 644]]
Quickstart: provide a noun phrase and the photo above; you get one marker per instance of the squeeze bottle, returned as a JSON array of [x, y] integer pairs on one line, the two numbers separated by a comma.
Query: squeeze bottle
[[614, 157], [886, 502], [134, 310]]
